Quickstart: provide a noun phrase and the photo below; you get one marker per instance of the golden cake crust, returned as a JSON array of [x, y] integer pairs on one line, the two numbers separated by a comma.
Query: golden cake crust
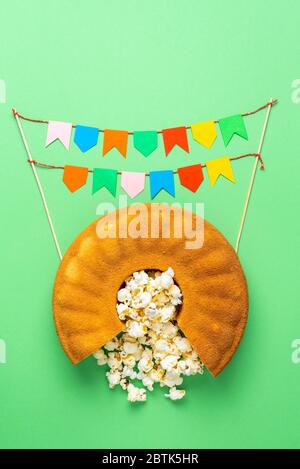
[[215, 298]]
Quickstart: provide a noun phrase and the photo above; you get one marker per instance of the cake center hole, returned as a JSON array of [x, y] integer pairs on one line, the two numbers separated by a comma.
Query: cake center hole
[[151, 349]]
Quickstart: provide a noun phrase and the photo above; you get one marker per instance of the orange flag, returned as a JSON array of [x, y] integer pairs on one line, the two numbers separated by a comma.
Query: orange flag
[[115, 139], [75, 177], [175, 136]]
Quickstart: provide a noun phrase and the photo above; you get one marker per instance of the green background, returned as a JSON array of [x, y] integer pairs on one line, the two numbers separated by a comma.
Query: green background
[[143, 65]]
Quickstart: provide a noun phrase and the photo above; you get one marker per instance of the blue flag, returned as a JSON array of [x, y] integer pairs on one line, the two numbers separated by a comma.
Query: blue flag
[[161, 180], [85, 137]]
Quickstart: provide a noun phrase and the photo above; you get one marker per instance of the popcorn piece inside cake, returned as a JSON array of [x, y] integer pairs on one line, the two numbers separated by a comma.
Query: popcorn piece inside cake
[[151, 349]]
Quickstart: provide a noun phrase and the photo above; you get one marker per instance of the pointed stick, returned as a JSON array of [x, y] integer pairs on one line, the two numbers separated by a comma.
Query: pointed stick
[[30, 159], [253, 175]]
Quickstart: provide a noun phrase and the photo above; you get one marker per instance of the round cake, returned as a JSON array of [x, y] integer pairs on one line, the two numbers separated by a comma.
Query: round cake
[[147, 237]]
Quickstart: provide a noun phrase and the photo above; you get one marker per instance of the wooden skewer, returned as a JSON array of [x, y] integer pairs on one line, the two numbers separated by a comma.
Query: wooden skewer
[[253, 175], [30, 159]]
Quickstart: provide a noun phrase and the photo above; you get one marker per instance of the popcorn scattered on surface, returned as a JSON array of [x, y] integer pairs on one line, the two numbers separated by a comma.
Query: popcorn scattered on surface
[[175, 394], [152, 349]]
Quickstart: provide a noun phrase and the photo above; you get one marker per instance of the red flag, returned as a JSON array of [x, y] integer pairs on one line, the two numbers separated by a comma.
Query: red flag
[[176, 136], [191, 176]]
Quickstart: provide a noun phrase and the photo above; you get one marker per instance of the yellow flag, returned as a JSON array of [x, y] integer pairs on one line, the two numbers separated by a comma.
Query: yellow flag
[[219, 167], [204, 133]]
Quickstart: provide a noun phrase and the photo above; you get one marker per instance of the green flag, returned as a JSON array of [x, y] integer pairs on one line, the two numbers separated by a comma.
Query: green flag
[[232, 125], [103, 177], [145, 142]]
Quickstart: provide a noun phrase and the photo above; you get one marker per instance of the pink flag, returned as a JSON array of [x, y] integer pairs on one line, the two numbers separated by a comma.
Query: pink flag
[[61, 131], [133, 183]]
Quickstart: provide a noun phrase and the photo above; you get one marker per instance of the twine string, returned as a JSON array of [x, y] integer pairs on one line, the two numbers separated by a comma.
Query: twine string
[[203, 165], [245, 114]]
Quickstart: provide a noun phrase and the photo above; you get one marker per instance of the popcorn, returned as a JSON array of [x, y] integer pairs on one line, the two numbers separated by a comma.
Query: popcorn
[[131, 347], [113, 378], [114, 361], [100, 357], [156, 374], [161, 299], [151, 349], [171, 378], [111, 345], [148, 382], [192, 367], [124, 383], [136, 329], [122, 309], [170, 271], [151, 310], [166, 280], [169, 362], [175, 291], [175, 394], [124, 295], [129, 360], [145, 364], [166, 313], [141, 278], [128, 372], [169, 330], [145, 299], [162, 345], [136, 394], [182, 344]]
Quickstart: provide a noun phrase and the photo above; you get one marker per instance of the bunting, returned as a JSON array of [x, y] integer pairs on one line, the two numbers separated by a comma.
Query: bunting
[[103, 177], [86, 137], [145, 142], [75, 177], [59, 131], [219, 167], [233, 125], [161, 180], [115, 139], [191, 176], [204, 133], [132, 183], [175, 136]]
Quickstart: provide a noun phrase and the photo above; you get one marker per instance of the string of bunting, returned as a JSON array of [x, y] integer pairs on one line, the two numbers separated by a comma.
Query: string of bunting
[[133, 183], [205, 133], [190, 177]]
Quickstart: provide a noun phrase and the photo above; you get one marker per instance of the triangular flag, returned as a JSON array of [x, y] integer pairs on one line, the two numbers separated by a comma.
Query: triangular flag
[[133, 183], [75, 177], [191, 176], [161, 180], [204, 133], [232, 125], [59, 131], [86, 137], [219, 167], [104, 177], [175, 136], [145, 142], [115, 139]]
